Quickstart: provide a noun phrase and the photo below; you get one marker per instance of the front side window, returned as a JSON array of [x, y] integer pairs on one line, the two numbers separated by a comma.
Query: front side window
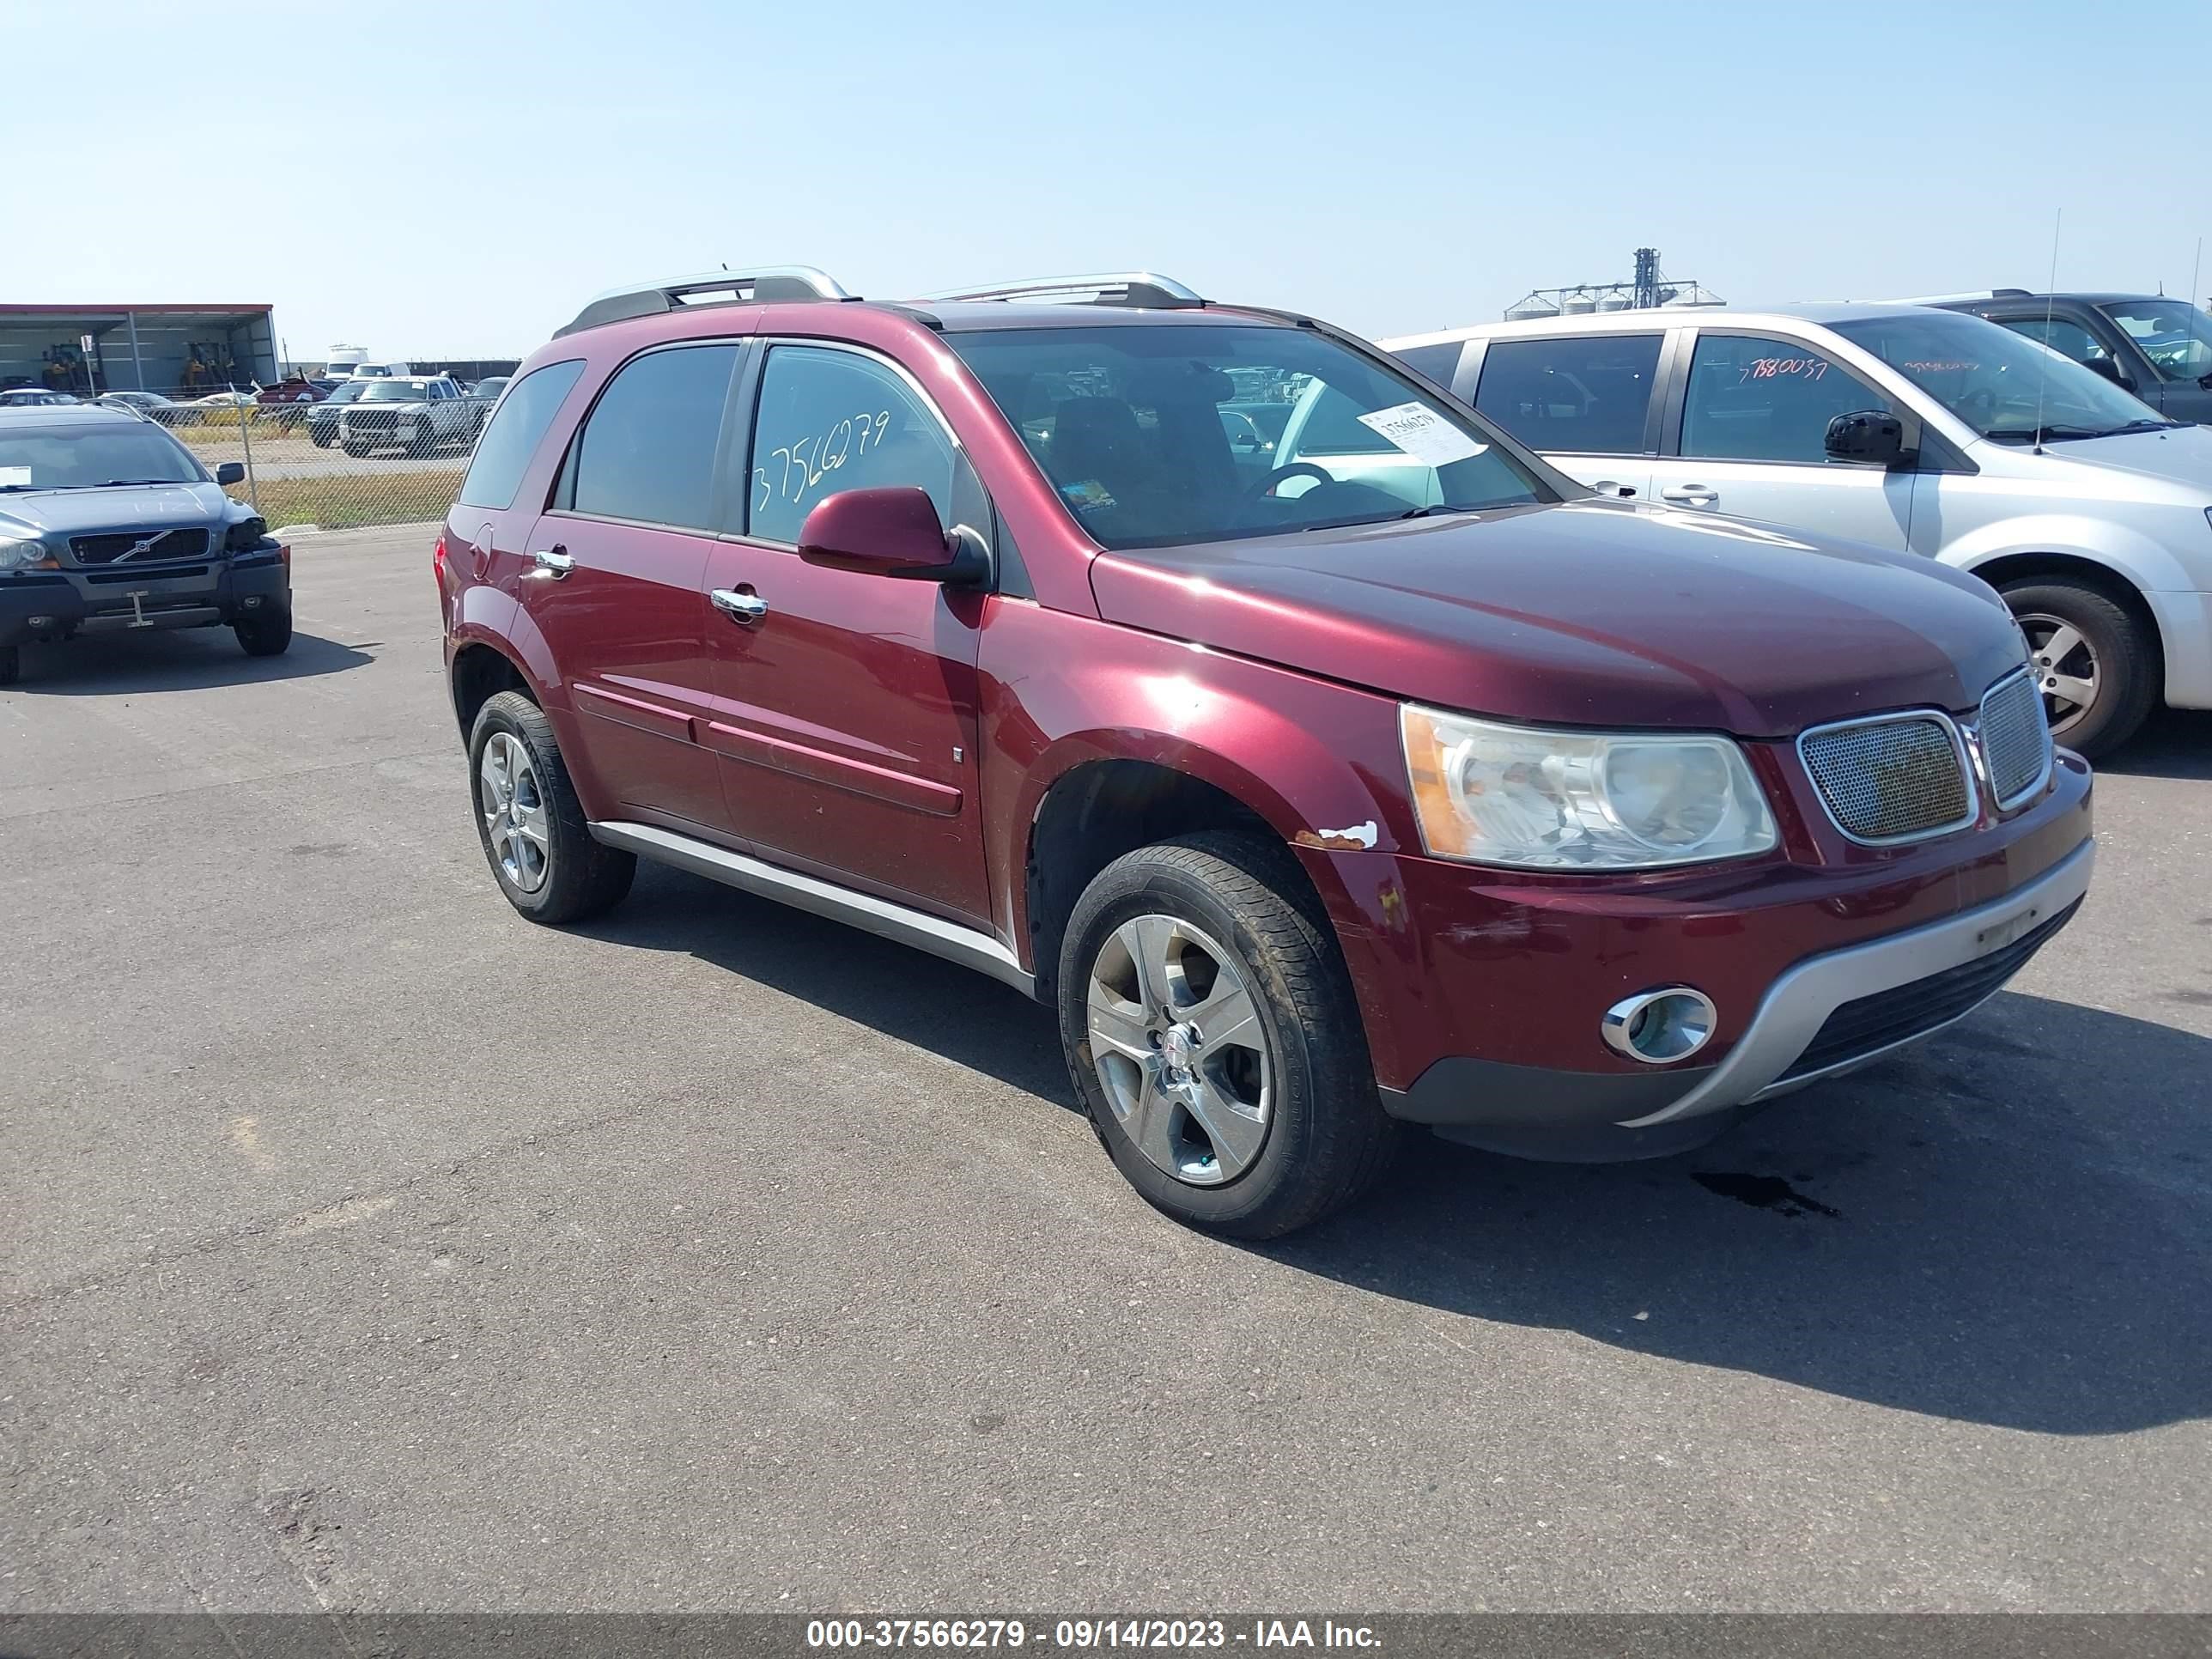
[[1756, 397], [832, 421], [1584, 395], [85, 457], [516, 430], [647, 448], [2172, 333], [1130, 423], [1996, 382], [2067, 339]]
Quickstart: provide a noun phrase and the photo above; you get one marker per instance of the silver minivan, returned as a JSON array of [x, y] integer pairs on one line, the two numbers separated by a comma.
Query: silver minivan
[[1896, 425]]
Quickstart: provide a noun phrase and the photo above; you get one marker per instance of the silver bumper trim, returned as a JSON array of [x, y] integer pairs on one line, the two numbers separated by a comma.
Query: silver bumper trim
[[1799, 1003]]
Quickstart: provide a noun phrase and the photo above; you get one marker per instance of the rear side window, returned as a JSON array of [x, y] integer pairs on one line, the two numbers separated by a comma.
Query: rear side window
[[832, 421], [647, 449], [1438, 363], [513, 435], [1586, 396], [1756, 399]]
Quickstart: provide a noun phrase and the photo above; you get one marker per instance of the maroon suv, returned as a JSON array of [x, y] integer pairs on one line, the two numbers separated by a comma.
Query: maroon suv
[[1401, 783]]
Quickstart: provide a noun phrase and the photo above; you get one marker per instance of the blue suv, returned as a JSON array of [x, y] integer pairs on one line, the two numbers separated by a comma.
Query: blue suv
[[107, 522]]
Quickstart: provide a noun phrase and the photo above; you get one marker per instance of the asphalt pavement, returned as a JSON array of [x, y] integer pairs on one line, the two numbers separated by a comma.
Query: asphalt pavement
[[369, 1248]]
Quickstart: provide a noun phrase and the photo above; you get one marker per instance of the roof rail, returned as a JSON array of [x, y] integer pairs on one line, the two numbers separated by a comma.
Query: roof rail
[[759, 286], [1145, 288]]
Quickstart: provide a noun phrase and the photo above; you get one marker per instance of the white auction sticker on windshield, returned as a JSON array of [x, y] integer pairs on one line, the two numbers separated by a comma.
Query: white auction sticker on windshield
[[1424, 433], [14, 475]]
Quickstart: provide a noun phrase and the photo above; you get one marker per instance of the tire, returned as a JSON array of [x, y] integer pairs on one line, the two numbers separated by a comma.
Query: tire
[[1322, 1137], [424, 443], [575, 877], [269, 635], [357, 451], [2116, 656], [11, 665], [322, 438]]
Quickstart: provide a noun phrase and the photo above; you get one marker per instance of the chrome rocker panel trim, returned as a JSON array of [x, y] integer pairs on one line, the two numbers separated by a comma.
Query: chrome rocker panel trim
[[1798, 1003], [967, 946]]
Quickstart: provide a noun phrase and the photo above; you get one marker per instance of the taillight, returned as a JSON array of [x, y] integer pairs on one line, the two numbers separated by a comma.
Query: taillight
[[438, 558]]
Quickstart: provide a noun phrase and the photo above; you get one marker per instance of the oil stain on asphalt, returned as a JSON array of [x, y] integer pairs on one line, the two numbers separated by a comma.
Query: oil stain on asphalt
[[1763, 1192]]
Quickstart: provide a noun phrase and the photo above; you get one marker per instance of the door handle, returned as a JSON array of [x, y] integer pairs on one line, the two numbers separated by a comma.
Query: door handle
[[1691, 495], [744, 609], [554, 561]]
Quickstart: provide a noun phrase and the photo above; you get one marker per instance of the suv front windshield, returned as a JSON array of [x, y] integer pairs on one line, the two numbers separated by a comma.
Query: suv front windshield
[[2172, 333], [2001, 384], [1205, 432], [85, 457], [397, 391]]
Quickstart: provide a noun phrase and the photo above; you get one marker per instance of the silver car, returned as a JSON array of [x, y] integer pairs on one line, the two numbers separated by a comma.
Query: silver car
[[1899, 426]]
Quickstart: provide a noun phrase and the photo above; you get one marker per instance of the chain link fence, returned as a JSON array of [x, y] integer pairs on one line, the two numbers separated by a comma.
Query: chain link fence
[[333, 465]]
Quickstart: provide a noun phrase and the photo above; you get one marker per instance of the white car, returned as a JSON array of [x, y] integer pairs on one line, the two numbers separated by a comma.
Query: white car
[[1899, 426]]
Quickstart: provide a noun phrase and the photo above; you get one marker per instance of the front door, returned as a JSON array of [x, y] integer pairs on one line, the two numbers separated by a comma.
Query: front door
[[846, 703], [1582, 401], [614, 577], [1747, 437]]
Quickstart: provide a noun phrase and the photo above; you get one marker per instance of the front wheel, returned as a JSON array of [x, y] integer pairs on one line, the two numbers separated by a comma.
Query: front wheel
[[2094, 662], [322, 437], [1211, 1033], [267, 635], [531, 824], [357, 451], [11, 664]]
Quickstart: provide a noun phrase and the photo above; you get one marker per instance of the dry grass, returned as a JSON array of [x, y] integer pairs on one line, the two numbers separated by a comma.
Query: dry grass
[[348, 500]]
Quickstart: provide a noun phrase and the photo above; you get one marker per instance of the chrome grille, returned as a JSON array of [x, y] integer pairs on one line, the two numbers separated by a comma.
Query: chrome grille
[[2016, 739], [1900, 777]]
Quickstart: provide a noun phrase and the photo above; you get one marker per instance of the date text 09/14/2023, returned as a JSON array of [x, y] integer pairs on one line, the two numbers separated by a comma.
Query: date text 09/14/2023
[[1086, 1634]]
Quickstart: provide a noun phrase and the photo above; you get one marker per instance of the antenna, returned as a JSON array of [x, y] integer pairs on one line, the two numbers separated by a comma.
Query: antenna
[[2049, 302], [2196, 270]]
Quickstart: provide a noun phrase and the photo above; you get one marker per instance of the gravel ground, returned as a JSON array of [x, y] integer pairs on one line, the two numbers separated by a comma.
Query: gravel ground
[[367, 1248]]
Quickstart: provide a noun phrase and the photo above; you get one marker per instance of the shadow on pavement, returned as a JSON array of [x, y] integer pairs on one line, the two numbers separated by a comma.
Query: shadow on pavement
[[181, 659], [2174, 743], [2010, 1224]]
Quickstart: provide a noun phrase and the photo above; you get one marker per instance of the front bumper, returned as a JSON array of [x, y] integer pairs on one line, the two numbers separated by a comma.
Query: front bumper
[[49, 604], [1830, 1014]]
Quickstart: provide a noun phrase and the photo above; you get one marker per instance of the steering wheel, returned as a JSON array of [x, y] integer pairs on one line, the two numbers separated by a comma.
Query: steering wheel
[[1284, 475]]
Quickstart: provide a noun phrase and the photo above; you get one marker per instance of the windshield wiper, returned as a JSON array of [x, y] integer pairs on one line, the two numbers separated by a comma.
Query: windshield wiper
[[125, 483], [2040, 434], [1432, 511]]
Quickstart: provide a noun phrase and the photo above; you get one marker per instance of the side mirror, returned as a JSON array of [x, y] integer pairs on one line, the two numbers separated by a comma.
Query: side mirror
[[230, 472], [1867, 435], [893, 530]]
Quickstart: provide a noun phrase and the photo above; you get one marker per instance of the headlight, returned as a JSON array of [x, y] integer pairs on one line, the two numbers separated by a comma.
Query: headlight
[[1576, 800], [22, 556]]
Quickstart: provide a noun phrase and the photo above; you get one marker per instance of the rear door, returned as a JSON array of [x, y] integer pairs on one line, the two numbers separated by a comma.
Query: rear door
[[1746, 434], [616, 573], [1583, 401], [845, 704]]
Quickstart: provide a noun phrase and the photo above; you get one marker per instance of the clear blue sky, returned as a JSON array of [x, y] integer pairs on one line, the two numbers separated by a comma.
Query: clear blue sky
[[1391, 168]]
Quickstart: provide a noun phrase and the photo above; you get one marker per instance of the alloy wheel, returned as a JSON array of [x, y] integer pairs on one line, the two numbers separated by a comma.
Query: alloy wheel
[[513, 810], [1180, 1049], [2065, 666]]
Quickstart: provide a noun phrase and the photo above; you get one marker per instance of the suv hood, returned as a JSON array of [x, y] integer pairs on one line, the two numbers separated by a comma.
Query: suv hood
[[1586, 613], [75, 512]]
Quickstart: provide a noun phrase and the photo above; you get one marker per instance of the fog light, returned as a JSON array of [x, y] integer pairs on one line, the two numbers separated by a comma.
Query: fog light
[[253, 603], [42, 622], [1660, 1027]]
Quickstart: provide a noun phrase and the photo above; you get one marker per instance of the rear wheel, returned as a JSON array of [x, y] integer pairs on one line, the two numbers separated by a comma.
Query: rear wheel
[[531, 824], [2094, 662], [1211, 1033], [269, 635]]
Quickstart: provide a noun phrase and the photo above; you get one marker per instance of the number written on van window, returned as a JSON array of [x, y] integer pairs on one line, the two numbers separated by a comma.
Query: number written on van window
[[807, 462], [833, 420]]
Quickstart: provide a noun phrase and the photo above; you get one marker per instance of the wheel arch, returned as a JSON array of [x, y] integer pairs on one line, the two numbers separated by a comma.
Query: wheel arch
[[2002, 569]]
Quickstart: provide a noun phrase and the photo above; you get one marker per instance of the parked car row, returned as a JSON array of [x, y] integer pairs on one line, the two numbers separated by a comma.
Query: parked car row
[[1898, 425], [1331, 776]]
